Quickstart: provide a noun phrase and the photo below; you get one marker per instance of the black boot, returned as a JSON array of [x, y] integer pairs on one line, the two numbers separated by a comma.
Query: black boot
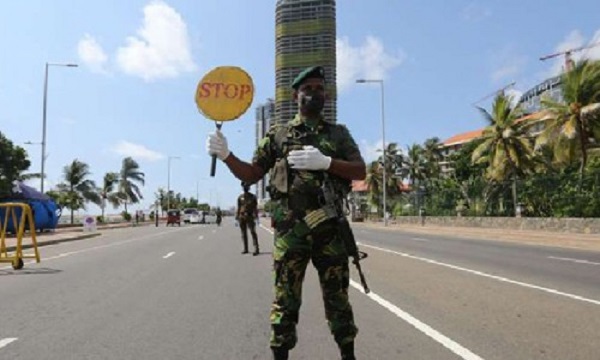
[[245, 252], [256, 252], [280, 353], [347, 351]]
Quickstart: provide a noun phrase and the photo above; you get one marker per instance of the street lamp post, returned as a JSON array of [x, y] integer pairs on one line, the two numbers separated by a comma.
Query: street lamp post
[[169, 180], [380, 82], [43, 172]]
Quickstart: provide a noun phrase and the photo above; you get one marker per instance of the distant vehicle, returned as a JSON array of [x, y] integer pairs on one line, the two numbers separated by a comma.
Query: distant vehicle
[[187, 213], [174, 217], [194, 217], [209, 217]]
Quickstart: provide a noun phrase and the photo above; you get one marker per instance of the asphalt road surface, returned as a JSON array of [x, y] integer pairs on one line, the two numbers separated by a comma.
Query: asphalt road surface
[[187, 293]]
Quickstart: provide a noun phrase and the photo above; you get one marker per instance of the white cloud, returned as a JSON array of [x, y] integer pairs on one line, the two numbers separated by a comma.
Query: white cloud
[[574, 40], [91, 54], [136, 151], [161, 48], [516, 95], [369, 150], [475, 12], [508, 64], [369, 60]]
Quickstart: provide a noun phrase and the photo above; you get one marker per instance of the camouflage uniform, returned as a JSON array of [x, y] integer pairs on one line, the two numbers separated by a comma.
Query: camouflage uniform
[[245, 215], [295, 243]]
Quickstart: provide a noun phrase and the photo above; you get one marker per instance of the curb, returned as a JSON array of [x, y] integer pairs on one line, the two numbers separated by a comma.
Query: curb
[[54, 242]]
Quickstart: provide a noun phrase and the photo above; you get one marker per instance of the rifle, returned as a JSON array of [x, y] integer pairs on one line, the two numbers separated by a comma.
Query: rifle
[[330, 198]]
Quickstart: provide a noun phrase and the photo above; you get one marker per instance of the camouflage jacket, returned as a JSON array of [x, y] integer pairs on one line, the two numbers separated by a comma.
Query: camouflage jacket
[[246, 207], [299, 189]]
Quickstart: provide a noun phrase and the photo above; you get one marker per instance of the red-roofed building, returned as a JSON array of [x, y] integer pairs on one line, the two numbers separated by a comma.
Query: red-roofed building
[[454, 143], [358, 197]]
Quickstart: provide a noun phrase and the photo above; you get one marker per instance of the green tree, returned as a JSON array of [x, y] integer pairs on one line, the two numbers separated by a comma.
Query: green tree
[[374, 182], [431, 157], [505, 143], [130, 177], [108, 193], [13, 162], [414, 164], [77, 189], [571, 125]]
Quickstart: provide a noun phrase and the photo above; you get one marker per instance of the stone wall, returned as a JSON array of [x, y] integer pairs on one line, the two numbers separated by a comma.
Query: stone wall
[[564, 225]]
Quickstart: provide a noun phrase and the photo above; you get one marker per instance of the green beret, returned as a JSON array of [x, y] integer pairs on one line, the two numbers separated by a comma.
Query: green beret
[[311, 72]]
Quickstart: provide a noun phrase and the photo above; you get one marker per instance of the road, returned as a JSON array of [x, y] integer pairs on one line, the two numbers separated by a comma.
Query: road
[[187, 293]]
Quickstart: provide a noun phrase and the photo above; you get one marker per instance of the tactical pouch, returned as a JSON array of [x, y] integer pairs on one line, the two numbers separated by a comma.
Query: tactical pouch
[[278, 179]]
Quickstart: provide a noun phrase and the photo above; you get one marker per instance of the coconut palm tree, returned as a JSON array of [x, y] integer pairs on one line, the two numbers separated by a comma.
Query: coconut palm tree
[[108, 191], [161, 198], [432, 156], [374, 182], [572, 125], [77, 189], [393, 165], [129, 179], [414, 164], [505, 143]]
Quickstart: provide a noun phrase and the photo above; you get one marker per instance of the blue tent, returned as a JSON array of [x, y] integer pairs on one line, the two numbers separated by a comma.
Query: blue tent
[[45, 210]]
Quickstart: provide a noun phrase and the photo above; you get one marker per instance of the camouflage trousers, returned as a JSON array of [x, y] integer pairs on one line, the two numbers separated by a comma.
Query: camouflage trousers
[[292, 252], [244, 226]]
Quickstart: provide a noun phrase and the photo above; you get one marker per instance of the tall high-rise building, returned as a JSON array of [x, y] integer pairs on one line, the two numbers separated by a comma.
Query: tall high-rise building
[[265, 116], [305, 32]]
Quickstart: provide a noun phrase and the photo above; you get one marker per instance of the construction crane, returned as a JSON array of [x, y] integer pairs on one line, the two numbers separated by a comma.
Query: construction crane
[[495, 93], [567, 53]]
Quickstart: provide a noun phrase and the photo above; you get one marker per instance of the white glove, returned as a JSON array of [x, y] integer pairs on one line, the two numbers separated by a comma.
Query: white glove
[[216, 144], [310, 158]]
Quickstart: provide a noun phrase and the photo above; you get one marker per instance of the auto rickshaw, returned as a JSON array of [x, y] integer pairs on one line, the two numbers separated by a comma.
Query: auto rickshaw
[[173, 217]]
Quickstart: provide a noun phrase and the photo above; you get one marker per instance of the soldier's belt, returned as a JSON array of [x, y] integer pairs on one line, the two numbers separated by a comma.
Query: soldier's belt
[[319, 216]]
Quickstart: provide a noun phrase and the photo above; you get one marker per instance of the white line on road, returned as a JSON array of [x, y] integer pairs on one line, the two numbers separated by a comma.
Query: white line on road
[[103, 246], [490, 276], [169, 255], [200, 237], [445, 341], [419, 325], [418, 239], [578, 261], [4, 342]]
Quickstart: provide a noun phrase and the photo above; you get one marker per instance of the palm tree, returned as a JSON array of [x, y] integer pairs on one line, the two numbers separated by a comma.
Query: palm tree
[[129, 178], [107, 191], [432, 156], [393, 164], [573, 122], [77, 189], [505, 144], [374, 182], [161, 198], [414, 164]]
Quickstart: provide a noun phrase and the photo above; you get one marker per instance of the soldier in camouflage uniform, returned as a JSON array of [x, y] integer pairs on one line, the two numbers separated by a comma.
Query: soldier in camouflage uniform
[[246, 215], [300, 156]]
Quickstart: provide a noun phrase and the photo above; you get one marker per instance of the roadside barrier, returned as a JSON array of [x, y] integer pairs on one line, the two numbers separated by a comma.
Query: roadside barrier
[[21, 215]]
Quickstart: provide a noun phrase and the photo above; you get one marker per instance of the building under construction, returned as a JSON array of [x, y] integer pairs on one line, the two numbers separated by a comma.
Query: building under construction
[[305, 32]]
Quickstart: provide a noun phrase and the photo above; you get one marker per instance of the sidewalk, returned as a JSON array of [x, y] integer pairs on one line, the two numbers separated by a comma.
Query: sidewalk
[[65, 235], [565, 240]]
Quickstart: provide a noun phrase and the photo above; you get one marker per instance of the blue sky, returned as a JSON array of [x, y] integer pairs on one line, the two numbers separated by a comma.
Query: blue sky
[[140, 62]]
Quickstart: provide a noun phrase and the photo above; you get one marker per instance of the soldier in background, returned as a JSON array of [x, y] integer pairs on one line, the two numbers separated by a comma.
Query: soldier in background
[[246, 214]]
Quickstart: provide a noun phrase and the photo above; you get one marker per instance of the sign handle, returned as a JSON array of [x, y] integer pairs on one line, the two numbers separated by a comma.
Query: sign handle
[[213, 164]]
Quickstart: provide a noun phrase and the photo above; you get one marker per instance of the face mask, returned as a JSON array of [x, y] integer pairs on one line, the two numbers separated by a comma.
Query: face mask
[[312, 103]]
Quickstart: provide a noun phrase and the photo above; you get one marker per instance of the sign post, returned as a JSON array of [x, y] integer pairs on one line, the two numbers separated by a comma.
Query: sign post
[[224, 94]]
